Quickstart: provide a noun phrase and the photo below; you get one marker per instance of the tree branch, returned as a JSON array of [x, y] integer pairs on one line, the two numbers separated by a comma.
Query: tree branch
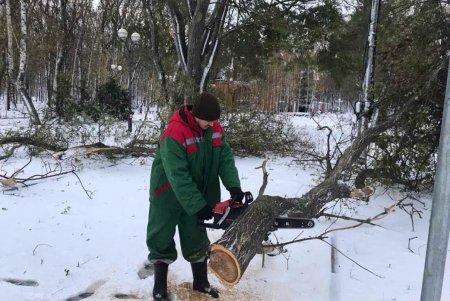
[[265, 176]]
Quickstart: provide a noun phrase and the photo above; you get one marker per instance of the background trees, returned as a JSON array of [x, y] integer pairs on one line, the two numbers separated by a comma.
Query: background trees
[[411, 72], [268, 55]]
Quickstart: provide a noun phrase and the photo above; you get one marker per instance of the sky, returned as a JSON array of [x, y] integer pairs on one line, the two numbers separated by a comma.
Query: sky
[[83, 235]]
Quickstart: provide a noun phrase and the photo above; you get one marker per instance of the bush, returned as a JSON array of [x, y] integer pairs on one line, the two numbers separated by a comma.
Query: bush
[[111, 100], [255, 133]]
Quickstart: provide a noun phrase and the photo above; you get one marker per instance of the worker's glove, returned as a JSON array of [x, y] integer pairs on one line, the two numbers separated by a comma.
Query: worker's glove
[[205, 213], [236, 194]]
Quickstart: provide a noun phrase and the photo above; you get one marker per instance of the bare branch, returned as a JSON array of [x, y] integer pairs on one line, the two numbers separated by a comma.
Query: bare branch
[[265, 175], [364, 221], [82, 186], [409, 243], [343, 254], [38, 245]]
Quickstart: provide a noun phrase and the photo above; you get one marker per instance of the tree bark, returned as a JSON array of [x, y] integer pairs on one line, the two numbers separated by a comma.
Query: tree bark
[[10, 56], [367, 105], [232, 253], [58, 101], [196, 38], [149, 6], [34, 118]]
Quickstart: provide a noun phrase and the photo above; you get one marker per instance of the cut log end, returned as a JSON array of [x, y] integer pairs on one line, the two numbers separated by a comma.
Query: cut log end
[[224, 265]]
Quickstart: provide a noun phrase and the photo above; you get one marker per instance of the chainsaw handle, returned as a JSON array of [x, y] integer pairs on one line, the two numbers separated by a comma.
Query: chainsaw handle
[[246, 200], [248, 197], [226, 212]]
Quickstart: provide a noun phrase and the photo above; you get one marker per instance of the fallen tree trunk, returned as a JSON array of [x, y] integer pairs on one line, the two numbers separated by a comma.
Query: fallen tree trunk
[[232, 253], [41, 142]]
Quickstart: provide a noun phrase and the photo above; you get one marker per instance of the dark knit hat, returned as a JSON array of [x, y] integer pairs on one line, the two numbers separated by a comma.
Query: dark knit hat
[[206, 107]]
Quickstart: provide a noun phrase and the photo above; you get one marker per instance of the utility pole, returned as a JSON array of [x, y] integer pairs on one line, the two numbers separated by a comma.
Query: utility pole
[[433, 274]]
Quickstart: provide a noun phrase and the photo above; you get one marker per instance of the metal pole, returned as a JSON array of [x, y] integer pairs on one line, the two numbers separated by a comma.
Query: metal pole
[[433, 274], [130, 76]]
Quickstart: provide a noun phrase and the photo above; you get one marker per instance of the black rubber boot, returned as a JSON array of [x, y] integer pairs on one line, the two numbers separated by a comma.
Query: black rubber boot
[[201, 283], [160, 285]]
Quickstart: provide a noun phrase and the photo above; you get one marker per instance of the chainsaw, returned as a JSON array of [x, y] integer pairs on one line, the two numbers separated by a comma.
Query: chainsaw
[[226, 212]]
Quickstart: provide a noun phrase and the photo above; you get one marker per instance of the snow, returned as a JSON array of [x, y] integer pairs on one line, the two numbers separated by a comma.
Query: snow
[[87, 233]]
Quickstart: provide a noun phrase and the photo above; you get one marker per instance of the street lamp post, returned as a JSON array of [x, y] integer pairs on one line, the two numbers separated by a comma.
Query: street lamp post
[[115, 67], [129, 43]]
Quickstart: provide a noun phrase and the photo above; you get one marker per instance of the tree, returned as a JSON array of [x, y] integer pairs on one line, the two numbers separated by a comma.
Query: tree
[[196, 32], [10, 57], [342, 54], [412, 42], [411, 69], [367, 103], [112, 100], [412, 58], [20, 83], [231, 254]]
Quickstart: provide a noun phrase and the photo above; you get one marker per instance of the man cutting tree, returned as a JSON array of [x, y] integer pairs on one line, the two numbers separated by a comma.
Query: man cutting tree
[[193, 154]]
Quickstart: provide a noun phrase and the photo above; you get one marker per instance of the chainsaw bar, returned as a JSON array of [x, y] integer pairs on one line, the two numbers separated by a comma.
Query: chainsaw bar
[[226, 212], [293, 223]]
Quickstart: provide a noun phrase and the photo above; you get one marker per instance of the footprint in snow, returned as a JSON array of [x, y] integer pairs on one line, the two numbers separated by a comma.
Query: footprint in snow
[[87, 292], [20, 282]]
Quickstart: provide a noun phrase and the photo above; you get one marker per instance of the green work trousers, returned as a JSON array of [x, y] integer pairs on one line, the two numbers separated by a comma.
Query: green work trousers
[[162, 222]]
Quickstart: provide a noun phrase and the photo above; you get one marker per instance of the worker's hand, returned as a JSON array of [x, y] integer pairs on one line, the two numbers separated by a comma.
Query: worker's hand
[[236, 194], [205, 213]]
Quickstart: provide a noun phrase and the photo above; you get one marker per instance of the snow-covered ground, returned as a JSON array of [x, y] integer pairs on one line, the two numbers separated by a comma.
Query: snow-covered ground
[[70, 244]]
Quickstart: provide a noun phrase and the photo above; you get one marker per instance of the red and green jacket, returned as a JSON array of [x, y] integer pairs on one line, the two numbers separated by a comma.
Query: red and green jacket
[[188, 164]]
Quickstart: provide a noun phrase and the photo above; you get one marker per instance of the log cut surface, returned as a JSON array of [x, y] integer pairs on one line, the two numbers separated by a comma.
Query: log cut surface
[[232, 253]]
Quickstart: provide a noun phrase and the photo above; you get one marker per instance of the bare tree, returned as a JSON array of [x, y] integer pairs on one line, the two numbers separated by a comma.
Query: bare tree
[[367, 105], [150, 10], [34, 118], [10, 57], [196, 30]]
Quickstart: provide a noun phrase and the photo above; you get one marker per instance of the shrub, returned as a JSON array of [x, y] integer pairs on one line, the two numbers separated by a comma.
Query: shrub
[[111, 100], [255, 133]]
